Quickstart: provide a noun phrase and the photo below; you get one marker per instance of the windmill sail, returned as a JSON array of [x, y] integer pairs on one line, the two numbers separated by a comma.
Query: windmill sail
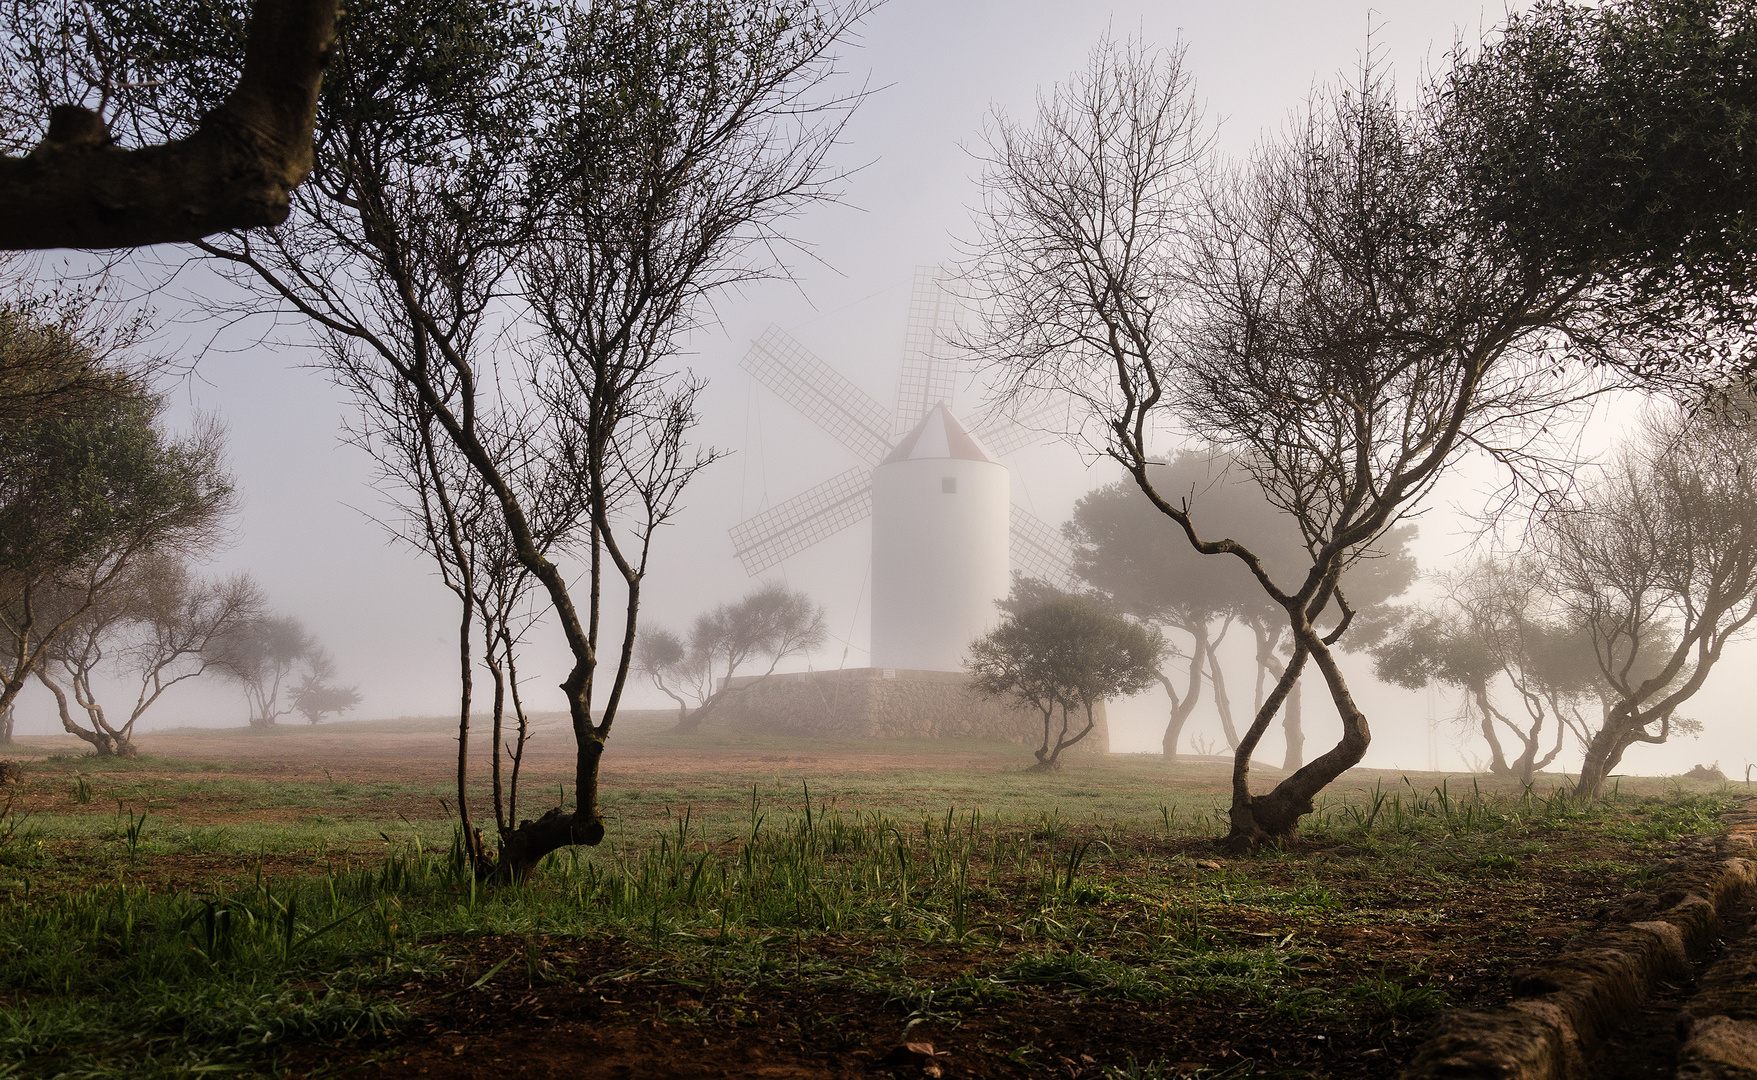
[[929, 376], [1038, 551], [821, 394], [1004, 434], [789, 528]]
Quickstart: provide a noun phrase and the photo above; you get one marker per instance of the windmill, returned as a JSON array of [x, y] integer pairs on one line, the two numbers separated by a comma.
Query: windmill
[[945, 531]]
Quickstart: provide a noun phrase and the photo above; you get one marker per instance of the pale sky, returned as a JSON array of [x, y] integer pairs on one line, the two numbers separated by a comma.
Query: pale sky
[[937, 70]]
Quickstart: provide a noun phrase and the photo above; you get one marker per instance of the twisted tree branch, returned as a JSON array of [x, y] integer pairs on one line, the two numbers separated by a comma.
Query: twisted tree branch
[[77, 189]]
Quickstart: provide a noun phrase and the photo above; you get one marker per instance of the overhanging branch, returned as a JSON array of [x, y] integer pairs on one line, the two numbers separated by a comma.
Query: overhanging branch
[[78, 190]]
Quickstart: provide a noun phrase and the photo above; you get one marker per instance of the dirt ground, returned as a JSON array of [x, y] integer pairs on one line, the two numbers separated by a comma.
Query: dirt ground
[[425, 752], [617, 1015]]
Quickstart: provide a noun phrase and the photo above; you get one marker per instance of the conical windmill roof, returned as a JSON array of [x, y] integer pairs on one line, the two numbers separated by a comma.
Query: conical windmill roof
[[939, 435]]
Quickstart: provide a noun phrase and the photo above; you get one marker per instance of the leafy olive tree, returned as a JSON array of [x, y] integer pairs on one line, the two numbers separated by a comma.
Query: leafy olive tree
[[1056, 651], [85, 500], [769, 624], [155, 625], [1617, 141], [59, 355], [1496, 623]]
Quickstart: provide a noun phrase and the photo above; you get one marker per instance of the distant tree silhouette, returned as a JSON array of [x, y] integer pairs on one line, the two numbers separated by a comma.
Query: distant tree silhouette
[[314, 699], [771, 624], [156, 625], [1656, 559], [1496, 623], [262, 654]]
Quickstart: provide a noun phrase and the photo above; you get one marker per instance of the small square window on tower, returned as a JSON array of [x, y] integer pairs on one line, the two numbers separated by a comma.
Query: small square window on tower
[[948, 485]]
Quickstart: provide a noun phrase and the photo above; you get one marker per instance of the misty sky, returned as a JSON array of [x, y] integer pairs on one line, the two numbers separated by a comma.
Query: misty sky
[[937, 69]]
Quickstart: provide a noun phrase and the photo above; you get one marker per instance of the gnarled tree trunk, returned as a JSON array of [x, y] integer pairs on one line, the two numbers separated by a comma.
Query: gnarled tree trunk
[[1273, 818]]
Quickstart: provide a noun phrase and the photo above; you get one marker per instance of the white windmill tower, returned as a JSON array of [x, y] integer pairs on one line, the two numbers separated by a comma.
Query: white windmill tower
[[945, 534]]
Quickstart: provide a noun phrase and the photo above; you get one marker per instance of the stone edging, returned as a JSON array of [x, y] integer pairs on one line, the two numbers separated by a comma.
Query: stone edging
[[1562, 1010]]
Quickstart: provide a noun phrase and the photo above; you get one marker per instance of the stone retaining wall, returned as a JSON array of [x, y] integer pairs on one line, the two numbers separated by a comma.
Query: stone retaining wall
[[887, 703], [1562, 1011]]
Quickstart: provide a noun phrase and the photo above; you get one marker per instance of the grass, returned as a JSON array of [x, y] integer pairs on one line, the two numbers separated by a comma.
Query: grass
[[143, 944]]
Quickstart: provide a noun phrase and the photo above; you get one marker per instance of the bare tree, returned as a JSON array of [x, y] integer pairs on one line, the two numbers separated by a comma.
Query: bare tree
[[231, 169], [1333, 317], [770, 623], [449, 514], [1657, 560], [262, 654], [528, 297], [156, 625]]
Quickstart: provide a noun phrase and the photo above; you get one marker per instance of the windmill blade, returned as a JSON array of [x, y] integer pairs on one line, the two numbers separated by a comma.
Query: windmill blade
[[785, 530], [1038, 551], [929, 376], [820, 393], [1004, 434]]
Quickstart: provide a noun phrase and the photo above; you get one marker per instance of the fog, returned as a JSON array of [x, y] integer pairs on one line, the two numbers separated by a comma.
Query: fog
[[306, 528]]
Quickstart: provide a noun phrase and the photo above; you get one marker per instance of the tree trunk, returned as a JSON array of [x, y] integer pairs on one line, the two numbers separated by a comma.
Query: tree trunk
[[101, 742], [77, 190], [1181, 709], [1274, 818], [1291, 720], [6, 720], [1042, 751], [1561, 738], [1526, 765], [689, 720], [1222, 701], [1062, 742], [524, 847], [1603, 753], [1497, 757], [1293, 733]]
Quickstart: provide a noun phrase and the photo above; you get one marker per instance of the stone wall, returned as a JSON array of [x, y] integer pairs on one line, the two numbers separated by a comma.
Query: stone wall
[[886, 703]]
